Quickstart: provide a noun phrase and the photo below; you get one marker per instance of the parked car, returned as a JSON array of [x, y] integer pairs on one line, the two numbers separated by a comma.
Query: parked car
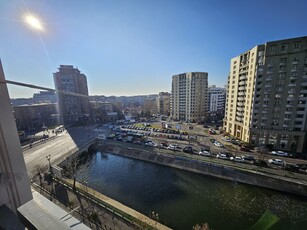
[[280, 153], [163, 145], [249, 159], [150, 143], [276, 162], [292, 167], [261, 163], [245, 149], [227, 139], [239, 159], [218, 144], [205, 152], [222, 156], [172, 147], [212, 140], [188, 149]]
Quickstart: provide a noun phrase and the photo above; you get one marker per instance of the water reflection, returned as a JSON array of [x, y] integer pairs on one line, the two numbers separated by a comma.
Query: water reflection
[[184, 199]]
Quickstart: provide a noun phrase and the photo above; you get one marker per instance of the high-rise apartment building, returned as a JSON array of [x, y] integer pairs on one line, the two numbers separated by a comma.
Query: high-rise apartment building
[[216, 100], [189, 96], [73, 109], [163, 103], [267, 95]]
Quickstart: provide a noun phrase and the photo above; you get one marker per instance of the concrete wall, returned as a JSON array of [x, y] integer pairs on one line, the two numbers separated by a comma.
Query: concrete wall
[[206, 168]]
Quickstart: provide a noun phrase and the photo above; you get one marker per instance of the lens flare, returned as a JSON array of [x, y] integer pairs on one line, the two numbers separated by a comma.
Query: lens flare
[[34, 22]]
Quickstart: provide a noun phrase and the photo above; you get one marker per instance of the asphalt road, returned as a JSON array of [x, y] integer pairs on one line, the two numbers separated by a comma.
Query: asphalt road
[[60, 147]]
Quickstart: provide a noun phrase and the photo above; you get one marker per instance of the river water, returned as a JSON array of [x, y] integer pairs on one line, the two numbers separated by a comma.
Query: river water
[[183, 199]]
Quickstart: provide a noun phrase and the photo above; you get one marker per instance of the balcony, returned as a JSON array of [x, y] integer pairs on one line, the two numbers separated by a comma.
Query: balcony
[[288, 112], [242, 83], [240, 104], [241, 93], [242, 78], [292, 85], [239, 118], [242, 88]]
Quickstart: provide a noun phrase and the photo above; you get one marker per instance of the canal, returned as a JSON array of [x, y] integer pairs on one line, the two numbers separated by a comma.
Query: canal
[[183, 199]]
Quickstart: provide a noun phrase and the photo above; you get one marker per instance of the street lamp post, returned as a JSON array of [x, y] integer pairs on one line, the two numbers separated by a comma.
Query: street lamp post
[[49, 158]]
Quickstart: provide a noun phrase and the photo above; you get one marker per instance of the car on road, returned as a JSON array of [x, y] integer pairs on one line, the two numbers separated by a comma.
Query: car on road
[[163, 145], [205, 152], [239, 159], [227, 139], [292, 167], [150, 143], [188, 149], [249, 159], [276, 162], [222, 156], [218, 144], [261, 163], [279, 153], [173, 147], [245, 149], [212, 140]]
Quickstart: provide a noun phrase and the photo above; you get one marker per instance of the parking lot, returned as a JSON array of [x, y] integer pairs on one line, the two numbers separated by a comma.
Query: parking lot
[[190, 142]]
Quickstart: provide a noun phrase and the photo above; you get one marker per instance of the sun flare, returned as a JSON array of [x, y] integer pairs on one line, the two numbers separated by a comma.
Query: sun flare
[[33, 22]]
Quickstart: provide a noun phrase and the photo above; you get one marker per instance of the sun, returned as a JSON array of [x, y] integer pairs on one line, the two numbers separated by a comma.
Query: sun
[[33, 22]]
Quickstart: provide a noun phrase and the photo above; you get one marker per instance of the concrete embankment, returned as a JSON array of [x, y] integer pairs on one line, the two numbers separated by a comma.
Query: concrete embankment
[[211, 169]]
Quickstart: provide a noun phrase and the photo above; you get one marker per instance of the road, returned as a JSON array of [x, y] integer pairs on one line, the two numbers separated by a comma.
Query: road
[[58, 148]]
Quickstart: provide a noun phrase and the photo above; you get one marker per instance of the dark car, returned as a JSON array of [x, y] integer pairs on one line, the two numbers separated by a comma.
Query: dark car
[[250, 159], [261, 163], [245, 149], [188, 149], [212, 140], [292, 167]]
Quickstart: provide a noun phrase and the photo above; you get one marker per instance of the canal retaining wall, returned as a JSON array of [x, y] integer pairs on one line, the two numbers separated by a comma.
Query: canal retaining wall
[[207, 168]]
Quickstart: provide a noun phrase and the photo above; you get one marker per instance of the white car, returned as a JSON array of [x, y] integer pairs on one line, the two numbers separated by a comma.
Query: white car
[[279, 153], [227, 139], [276, 162], [221, 156], [150, 143], [218, 144], [238, 159], [172, 147], [205, 153]]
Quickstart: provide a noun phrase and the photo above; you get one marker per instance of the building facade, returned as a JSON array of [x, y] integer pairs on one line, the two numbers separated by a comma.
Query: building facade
[[44, 97], [163, 103], [216, 100], [33, 117], [189, 96], [266, 100], [73, 109]]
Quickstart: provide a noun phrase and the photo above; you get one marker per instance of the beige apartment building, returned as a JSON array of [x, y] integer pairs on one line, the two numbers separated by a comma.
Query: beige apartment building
[[189, 96], [267, 95], [163, 103]]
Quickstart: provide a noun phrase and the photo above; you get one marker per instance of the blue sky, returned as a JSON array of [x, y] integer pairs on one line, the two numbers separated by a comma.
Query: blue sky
[[134, 47]]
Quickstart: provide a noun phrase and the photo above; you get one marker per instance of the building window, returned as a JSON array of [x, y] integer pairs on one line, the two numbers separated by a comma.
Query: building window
[[284, 47], [273, 48], [296, 45]]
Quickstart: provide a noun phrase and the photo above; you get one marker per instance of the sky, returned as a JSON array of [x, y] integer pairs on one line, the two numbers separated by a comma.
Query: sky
[[134, 47]]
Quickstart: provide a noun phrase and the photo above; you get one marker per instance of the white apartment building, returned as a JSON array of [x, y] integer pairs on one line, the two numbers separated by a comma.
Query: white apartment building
[[189, 96], [266, 101], [216, 100]]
